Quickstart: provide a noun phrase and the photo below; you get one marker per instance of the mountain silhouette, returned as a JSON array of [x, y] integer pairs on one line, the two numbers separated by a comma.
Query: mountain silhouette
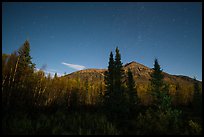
[[140, 72]]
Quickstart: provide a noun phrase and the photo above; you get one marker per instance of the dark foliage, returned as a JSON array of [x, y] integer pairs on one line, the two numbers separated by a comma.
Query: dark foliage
[[33, 103]]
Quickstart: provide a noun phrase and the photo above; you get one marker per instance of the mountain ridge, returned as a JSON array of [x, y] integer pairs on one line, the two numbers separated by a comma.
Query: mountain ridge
[[178, 84], [140, 72]]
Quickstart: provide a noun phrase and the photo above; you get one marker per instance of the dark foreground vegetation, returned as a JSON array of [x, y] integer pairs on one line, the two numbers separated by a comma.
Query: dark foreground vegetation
[[33, 103]]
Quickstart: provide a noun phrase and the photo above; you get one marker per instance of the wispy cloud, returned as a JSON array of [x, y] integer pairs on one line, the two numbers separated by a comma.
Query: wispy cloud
[[74, 66]]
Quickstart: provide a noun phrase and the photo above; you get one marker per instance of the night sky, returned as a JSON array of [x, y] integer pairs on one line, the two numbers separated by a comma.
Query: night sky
[[66, 37]]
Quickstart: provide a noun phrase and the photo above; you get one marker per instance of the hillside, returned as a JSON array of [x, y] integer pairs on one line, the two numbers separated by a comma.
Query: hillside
[[140, 72], [178, 84]]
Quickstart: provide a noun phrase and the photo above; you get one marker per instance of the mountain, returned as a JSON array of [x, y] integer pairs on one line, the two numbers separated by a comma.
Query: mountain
[[140, 72], [90, 74], [182, 85]]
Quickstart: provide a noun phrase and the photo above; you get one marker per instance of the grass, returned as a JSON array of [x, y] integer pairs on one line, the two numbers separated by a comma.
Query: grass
[[72, 123]]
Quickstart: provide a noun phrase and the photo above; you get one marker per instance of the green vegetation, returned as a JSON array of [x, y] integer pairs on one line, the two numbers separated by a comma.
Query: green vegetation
[[59, 122], [160, 118], [33, 103]]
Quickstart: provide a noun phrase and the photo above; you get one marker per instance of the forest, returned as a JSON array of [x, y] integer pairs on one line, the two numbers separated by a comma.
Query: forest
[[34, 103]]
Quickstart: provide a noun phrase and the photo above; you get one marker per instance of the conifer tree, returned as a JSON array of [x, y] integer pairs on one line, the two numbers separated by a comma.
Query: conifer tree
[[109, 80], [159, 88], [21, 78], [119, 72], [161, 118], [132, 92], [115, 101], [120, 100], [157, 77], [24, 67], [25, 62]]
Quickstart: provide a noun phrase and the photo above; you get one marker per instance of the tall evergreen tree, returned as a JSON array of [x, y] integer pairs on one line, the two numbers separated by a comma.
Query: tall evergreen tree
[[24, 67], [25, 58], [115, 101], [109, 80], [119, 72], [157, 77], [132, 92], [120, 100], [159, 88], [162, 118], [21, 78]]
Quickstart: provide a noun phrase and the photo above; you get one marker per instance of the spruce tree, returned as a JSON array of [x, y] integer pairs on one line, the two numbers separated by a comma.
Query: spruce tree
[[109, 80], [161, 118], [157, 78], [120, 100], [119, 72], [25, 58], [24, 65], [132, 92], [159, 89], [23, 77], [115, 101]]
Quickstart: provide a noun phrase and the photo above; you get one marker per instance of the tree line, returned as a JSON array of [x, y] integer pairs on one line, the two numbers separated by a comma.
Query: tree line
[[25, 89]]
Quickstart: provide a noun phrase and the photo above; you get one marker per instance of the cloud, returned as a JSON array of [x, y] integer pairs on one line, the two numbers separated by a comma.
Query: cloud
[[74, 66]]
